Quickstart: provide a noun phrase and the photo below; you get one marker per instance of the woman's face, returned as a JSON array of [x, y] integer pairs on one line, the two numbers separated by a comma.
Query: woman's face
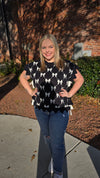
[[48, 50]]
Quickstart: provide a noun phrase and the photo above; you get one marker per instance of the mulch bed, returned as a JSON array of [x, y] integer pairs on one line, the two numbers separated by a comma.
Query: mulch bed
[[83, 124]]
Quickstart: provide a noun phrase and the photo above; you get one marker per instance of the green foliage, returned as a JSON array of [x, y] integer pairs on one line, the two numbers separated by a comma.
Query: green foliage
[[90, 69], [9, 67], [12, 67], [2, 72]]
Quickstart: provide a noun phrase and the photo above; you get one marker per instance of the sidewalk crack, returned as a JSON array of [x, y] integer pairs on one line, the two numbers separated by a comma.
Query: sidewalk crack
[[71, 149]]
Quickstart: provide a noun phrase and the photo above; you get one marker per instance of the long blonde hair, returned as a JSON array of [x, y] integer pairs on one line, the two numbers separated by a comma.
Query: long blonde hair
[[57, 59]]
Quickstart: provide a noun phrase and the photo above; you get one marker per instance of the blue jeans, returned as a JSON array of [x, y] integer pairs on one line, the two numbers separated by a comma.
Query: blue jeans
[[53, 126]]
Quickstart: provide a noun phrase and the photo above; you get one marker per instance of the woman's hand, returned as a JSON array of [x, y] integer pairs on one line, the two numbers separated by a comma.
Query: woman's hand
[[34, 92], [78, 81], [64, 93], [24, 81]]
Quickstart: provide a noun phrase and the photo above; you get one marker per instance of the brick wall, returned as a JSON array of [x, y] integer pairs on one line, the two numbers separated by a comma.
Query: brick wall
[[70, 21]]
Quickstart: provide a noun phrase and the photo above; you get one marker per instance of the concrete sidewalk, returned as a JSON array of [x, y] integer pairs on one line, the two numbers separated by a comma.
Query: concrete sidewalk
[[23, 153]]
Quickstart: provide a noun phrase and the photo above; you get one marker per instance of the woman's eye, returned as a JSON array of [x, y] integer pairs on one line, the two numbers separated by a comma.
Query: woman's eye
[[48, 47]]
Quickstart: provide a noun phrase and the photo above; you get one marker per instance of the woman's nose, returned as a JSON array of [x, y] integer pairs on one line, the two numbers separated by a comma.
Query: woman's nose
[[47, 49]]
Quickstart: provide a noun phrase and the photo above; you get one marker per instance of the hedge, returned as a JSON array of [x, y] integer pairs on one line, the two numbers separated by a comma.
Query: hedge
[[90, 69]]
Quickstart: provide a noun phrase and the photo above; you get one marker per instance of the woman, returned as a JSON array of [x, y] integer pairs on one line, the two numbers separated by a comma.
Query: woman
[[52, 79]]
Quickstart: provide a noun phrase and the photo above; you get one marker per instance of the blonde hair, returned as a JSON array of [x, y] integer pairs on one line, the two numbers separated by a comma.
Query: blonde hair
[[57, 59]]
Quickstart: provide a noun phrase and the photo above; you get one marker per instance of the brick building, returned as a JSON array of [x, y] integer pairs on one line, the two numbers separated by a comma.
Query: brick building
[[70, 21]]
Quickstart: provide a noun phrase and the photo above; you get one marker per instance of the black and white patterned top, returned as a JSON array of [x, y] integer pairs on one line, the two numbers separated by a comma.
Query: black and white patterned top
[[49, 84]]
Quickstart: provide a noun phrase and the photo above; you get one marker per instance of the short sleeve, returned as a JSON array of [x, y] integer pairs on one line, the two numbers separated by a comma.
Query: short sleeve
[[72, 71], [28, 68]]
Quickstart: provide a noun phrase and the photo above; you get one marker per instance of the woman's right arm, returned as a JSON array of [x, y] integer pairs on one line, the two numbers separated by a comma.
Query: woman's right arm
[[24, 81]]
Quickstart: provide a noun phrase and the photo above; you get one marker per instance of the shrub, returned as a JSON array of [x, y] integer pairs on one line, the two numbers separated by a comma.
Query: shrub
[[90, 69], [9, 67]]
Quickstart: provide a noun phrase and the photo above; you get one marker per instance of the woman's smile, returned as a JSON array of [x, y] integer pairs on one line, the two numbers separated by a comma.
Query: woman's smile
[[48, 54], [48, 50]]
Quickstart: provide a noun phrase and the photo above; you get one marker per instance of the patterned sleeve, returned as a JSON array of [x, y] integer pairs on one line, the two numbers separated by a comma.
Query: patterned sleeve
[[27, 68], [72, 71]]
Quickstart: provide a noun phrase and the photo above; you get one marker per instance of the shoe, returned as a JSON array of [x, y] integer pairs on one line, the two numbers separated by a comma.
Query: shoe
[[50, 167], [58, 176]]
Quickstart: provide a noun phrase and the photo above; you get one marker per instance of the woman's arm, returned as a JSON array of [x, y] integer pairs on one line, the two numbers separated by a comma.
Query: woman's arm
[[24, 81], [78, 81]]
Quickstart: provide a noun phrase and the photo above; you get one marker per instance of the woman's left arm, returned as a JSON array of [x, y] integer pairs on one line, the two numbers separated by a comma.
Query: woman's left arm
[[78, 81]]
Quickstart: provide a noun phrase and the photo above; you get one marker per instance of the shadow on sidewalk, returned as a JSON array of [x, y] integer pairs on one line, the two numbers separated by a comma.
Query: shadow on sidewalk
[[95, 157], [8, 87], [95, 142], [44, 158]]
